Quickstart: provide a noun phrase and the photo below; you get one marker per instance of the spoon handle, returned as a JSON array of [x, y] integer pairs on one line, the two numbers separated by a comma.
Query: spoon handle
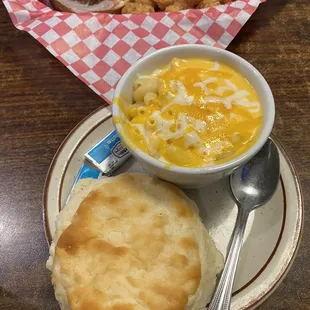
[[222, 294]]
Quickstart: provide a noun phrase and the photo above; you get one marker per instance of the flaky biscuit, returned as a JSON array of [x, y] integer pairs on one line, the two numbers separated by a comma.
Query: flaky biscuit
[[132, 242]]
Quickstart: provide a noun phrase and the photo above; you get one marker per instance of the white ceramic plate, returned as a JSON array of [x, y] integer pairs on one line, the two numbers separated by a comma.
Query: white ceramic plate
[[273, 232]]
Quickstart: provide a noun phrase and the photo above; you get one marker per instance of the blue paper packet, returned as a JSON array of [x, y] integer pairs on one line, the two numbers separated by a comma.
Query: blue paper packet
[[108, 154], [103, 159]]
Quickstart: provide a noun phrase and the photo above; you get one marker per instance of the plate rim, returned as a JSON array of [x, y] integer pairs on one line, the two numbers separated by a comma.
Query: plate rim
[[300, 201]]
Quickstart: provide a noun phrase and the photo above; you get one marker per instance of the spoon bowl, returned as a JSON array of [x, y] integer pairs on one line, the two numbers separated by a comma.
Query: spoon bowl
[[255, 183]]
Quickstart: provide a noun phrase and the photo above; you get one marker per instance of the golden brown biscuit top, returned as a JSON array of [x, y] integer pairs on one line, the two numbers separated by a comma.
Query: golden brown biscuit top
[[132, 244]]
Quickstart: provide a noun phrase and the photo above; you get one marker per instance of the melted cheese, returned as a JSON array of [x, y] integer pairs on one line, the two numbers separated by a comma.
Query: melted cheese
[[204, 113]]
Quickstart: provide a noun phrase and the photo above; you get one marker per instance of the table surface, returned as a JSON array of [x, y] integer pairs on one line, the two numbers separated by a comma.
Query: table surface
[[41, 101]]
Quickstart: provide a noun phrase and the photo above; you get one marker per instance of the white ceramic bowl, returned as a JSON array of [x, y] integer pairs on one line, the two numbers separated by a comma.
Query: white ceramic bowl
[[196, 177]]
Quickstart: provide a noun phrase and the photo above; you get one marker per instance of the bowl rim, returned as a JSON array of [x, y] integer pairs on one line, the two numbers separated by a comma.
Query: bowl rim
[[212, 169]]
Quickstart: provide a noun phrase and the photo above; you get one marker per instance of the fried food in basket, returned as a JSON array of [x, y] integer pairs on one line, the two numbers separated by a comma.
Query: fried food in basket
[[180, 5], [176, 5], [208, 3], [162, 4], [133, 6]]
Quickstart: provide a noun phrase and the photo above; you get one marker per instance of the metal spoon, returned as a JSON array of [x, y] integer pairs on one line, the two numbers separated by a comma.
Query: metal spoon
[[252, 186]]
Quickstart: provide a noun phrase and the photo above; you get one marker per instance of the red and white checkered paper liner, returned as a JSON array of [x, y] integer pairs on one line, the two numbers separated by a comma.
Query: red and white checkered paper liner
[[98, 48]]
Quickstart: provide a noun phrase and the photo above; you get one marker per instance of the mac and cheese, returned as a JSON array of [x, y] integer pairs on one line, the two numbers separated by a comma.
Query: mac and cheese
[[193, 113]]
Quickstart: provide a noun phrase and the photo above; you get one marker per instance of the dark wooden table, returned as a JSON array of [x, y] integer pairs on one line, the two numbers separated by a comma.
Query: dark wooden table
[[41, 101]]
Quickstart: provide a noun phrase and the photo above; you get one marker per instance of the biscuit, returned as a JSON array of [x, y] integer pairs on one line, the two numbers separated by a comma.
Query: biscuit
[[132, 242]]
